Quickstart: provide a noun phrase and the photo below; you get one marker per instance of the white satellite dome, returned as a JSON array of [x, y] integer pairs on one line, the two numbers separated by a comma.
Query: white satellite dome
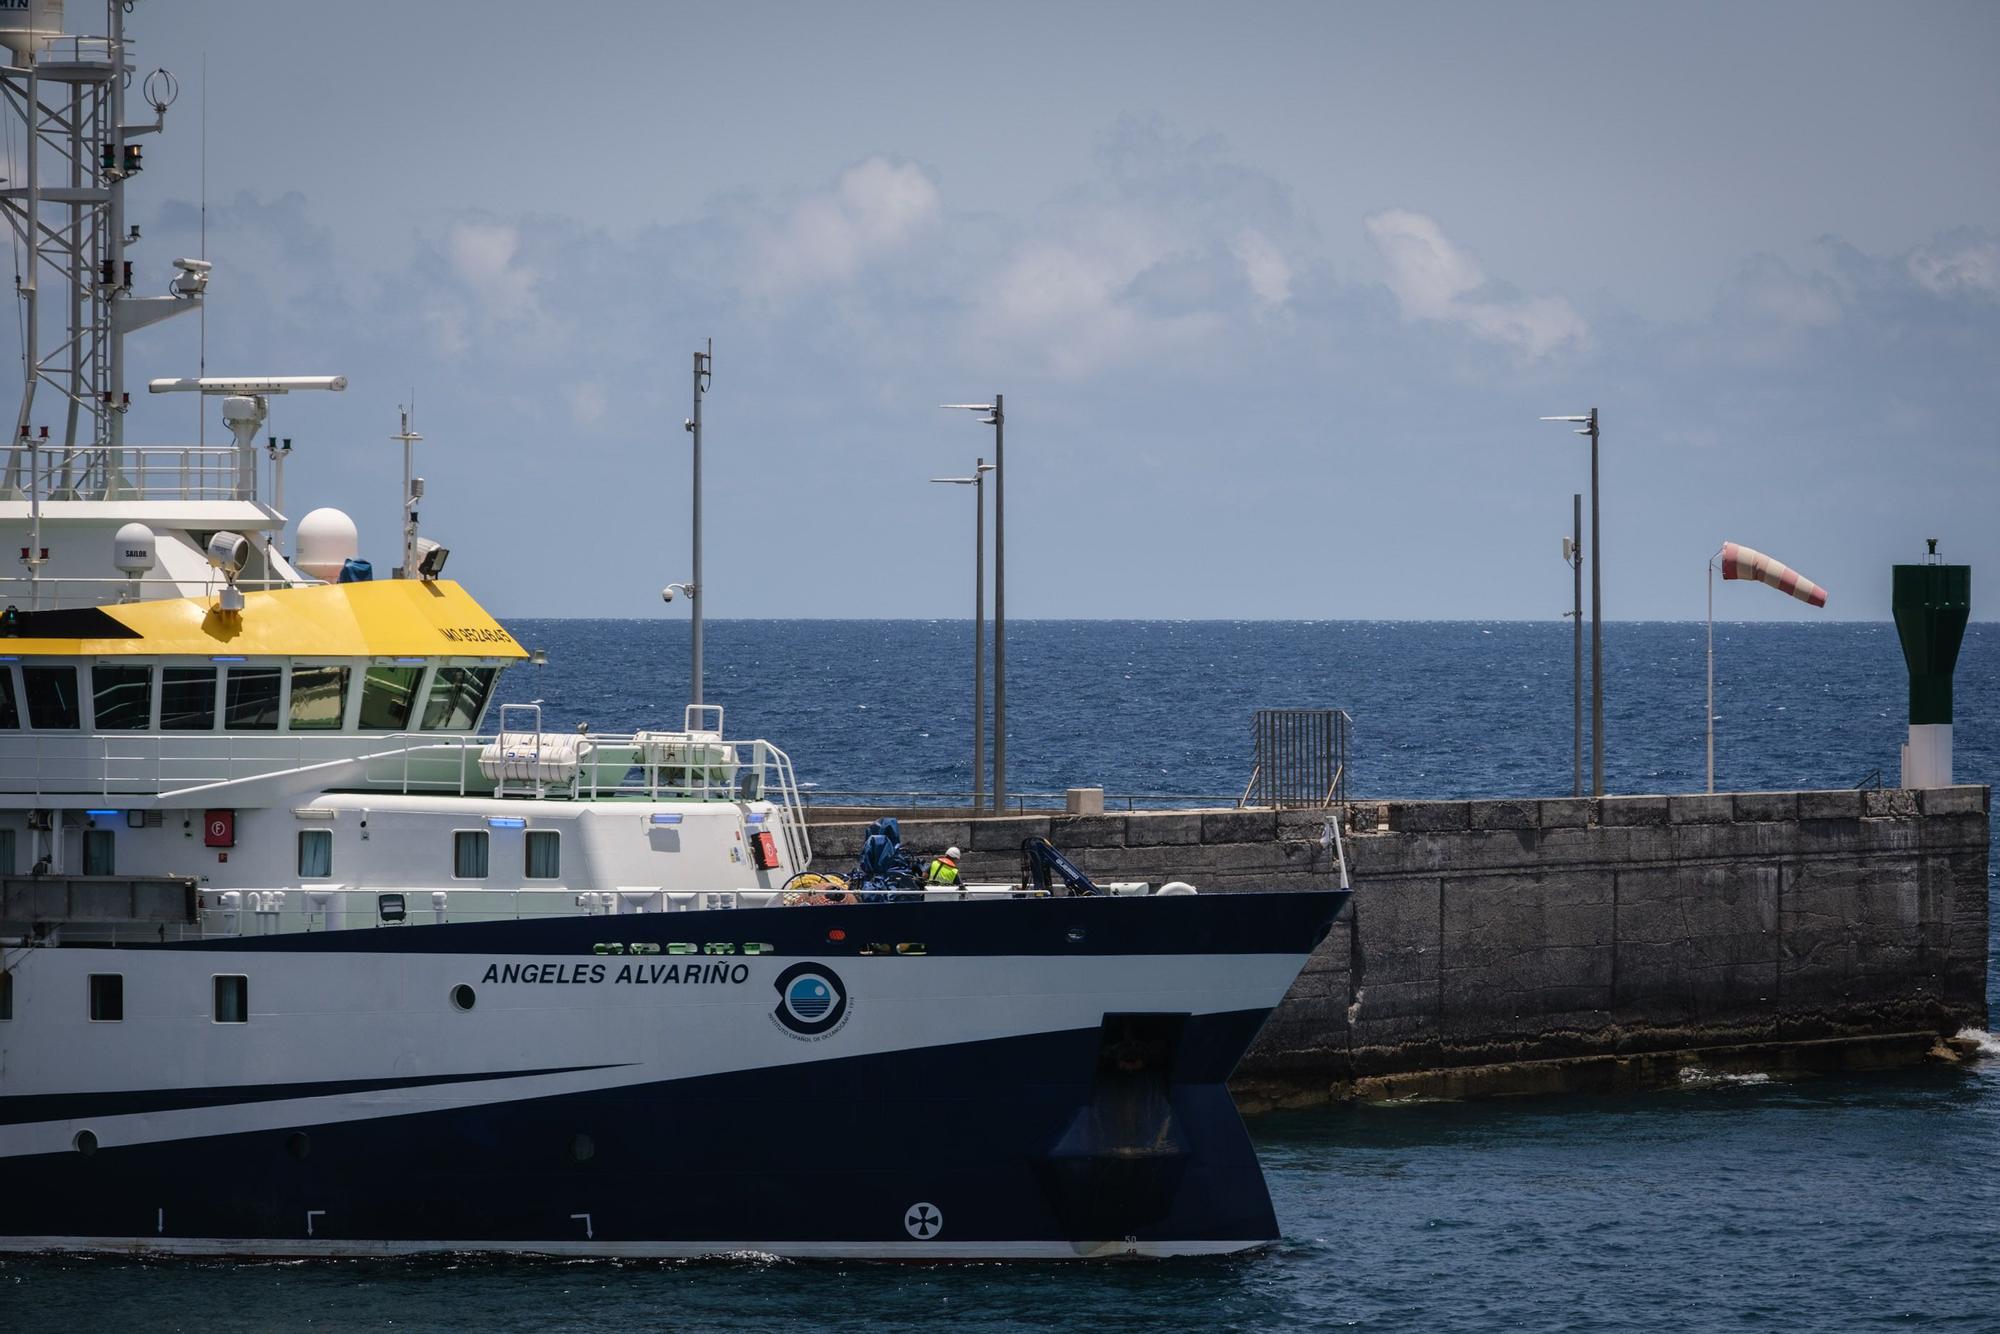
[[134, 550], [328, 539]]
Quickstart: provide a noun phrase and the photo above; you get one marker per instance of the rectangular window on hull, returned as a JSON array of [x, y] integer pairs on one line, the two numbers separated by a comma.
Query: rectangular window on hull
[[121, 698], [319, 698], [315, 853], [468, 854], [107, 997], [544, 854], [100, 852], [6, 995], [10, 711], [232, 999], [187, 699], [253, 699], [458, 694], [388, 697], [52, 698], [7, 866]]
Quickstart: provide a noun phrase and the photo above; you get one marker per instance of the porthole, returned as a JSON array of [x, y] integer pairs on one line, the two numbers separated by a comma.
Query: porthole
[[298, 1144], [85, 1142], [582, 1149], [462, 996]]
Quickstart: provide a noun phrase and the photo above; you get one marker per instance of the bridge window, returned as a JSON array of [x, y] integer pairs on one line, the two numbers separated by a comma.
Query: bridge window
[[468, 854], [100, 852], [232, 999], [122, 698], [315, 854], [388, 697], [10, 712], [544, 854], [107, 998], [52, 698], [253, 696], [458, 696], [187, 699], [319, 698]]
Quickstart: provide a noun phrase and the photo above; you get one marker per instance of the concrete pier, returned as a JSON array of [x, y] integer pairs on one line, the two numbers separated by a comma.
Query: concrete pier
[[1524, 945]]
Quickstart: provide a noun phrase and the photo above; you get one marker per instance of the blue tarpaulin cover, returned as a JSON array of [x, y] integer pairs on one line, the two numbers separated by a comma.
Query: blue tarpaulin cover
[[885, 868]]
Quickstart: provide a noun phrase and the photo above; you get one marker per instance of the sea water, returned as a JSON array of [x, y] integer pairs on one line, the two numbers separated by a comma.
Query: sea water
[[1857, 1202]]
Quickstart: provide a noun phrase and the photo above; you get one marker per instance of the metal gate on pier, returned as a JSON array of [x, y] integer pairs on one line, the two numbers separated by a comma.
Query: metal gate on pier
[[1301, 758]]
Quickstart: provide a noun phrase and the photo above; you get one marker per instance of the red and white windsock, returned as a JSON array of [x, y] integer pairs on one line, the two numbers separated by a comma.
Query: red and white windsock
[[1741, 562]]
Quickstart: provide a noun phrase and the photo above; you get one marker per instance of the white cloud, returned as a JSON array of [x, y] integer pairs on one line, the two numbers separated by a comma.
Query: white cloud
[[482, 256], [1959, 264], [1069, 296], [447, 325], [588, 402], [875, 208], [1264, 267], [1773, 292], [1433, 279]]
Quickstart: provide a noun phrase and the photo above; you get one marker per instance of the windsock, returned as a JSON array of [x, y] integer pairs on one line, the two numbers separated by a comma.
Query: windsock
[[1741, 562]]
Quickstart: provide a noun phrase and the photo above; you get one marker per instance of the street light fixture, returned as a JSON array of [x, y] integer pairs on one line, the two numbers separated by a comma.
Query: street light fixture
[[1573, 557], [978, 484], [1587, 425], [996, 417]]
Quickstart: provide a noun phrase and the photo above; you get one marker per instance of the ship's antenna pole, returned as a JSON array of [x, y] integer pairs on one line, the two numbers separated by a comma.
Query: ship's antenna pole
[[30, 296], [412, 492], [111, 421], [30, 334], [200, 417], [704, 363], [77, 393]]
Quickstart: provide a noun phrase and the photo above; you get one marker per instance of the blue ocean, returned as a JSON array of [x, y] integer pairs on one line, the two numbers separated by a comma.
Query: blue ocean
[[1857, 1202]]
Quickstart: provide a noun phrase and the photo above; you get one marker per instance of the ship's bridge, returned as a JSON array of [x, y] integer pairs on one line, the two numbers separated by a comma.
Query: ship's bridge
[[152, 696]]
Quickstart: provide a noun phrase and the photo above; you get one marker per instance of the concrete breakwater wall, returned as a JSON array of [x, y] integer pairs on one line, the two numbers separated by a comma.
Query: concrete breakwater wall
[[1517, 945]]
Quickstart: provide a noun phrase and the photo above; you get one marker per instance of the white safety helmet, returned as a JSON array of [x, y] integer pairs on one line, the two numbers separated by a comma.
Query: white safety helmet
[[951, 853]]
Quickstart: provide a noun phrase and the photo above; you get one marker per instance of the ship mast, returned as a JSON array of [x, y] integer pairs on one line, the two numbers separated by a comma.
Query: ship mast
[[67, 214]]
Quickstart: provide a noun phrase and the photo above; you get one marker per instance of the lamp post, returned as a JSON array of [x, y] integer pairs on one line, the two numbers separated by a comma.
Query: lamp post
[[1711, 667], [1573, 557], [996, 418], [703, 365], [978, 484], [1587, 425]]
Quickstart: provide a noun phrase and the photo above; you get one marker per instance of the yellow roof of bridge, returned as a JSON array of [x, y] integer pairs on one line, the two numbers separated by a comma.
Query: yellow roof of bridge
[[393, 618]]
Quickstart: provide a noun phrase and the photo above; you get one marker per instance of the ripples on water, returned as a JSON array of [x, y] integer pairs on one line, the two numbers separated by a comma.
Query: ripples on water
[[1851, 1203]]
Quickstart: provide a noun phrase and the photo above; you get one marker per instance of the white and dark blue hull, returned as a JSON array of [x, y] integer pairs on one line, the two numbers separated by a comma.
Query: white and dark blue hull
[[1046, 1078]]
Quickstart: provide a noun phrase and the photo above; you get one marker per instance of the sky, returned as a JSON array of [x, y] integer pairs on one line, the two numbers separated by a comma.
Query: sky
[[1276, 293]]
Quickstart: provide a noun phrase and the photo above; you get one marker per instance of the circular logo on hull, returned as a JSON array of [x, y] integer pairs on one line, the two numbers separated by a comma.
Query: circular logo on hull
[[923, 1221], [811, 1000]]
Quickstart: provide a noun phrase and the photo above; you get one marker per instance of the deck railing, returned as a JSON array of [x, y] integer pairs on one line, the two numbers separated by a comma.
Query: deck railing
[[127, 472]]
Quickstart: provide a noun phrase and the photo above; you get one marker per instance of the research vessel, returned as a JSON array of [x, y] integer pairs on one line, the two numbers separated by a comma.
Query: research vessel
[[301, 957]]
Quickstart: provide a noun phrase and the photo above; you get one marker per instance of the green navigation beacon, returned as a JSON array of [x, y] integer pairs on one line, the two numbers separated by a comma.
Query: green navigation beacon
[[1932, 603]]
